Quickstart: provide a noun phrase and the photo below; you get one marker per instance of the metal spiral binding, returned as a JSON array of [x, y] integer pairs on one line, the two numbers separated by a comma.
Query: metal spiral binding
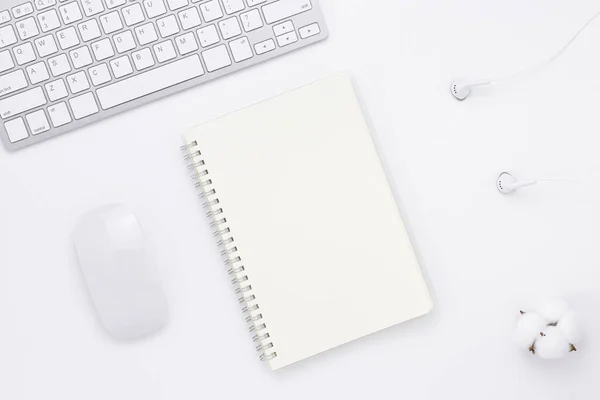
[[230, 252]]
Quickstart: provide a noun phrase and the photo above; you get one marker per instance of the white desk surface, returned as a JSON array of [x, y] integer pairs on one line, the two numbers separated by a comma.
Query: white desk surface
[[486, 255]]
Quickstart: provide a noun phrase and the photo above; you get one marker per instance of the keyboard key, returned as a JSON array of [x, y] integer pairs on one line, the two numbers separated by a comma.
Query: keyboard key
[[142, 59], [37, 122], [37, 72], [12, 82], [78, 82], [309, 31], [121, 66], [283, 28], [59, 114], [22, 102], [168, 26], [146, 34], [16, 130], [48, 20], [99, 74], [92, 7], [103, 49], [149, 82], [83, 106], [24, 53], [81, 57], [230, 28], [6, 62], [251, 20], [133, 14], [216, 58], [176, 4], [186, 43], [46, 45], [22, 10], [189, 18], [67, 38], [115, 3], [70, 13], [233, 6], [56, 90], [211, 10], [59, 65], [287, 39], [264, 47], [240, 49], [164, 51], [111, 22], [154, 8], [208, 36], [4, 16], [43, 4], [7, 36], [89, 30], [283, 9], [255, 2], [27, 28], [124, 41]]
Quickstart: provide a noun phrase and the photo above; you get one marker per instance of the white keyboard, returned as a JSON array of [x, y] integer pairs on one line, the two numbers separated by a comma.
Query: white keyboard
[[67, 63]]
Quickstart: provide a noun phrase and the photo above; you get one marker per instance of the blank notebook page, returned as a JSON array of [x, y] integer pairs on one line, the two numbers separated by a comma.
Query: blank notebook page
[[304, 200]]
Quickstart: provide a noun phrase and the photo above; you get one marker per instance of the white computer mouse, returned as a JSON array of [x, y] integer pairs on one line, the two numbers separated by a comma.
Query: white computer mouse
[[120, 274]]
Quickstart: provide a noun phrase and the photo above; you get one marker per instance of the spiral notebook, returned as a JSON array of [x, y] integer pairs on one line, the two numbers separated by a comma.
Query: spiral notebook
[[307, 222]]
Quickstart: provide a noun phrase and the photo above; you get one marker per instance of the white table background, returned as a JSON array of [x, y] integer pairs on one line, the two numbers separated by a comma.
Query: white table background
[[486, 255]]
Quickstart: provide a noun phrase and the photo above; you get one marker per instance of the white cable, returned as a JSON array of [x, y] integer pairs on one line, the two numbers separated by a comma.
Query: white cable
[[569, 181], [549, 60]]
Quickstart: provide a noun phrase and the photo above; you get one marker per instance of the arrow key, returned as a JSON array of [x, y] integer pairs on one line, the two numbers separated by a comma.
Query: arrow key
[[264, 47], [309, 30], [287, 39]]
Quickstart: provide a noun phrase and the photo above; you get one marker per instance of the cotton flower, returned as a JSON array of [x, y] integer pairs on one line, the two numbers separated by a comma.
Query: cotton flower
[[550, 333], [570, 327], [552, 344], [553, 309]]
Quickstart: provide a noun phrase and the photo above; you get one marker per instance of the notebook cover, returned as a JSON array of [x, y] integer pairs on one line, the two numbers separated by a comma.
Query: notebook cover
[[311, 216]]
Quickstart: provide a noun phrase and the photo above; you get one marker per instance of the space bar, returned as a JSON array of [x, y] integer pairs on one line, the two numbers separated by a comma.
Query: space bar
[[150, 82]]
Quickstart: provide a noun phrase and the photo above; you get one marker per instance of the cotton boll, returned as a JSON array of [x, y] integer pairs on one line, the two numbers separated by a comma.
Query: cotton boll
[[553, 309], [528, 329], [569, 325], [552, 344], [550, 333]]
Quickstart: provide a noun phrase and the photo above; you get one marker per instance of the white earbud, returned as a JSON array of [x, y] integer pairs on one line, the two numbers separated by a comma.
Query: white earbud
[[506, 183], [461, 89]]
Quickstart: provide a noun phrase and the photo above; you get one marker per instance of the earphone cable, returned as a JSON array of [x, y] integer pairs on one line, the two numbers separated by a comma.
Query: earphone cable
[[568, 181], [549, 60]]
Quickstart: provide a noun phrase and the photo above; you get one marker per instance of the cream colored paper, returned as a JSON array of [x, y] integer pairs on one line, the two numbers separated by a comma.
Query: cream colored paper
[[313, 218]]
